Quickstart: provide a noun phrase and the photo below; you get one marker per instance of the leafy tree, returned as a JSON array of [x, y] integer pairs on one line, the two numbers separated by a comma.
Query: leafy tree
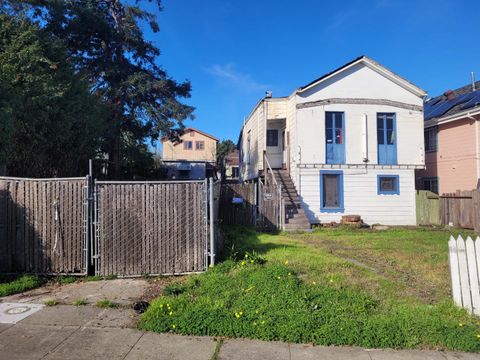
[[106, 43], [223, 149], [50, 125]]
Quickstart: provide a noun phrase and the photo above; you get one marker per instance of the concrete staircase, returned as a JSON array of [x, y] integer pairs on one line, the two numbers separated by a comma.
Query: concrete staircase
[[295, 218]]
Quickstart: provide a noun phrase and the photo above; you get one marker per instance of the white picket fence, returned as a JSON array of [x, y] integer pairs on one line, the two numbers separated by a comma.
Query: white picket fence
[[464, 260]]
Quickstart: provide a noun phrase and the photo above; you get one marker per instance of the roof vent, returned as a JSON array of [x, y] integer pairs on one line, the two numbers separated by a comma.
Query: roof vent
[[268, 94], [449, 94]]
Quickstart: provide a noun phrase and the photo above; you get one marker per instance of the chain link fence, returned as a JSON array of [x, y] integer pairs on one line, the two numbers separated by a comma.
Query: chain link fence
[[150, 228]]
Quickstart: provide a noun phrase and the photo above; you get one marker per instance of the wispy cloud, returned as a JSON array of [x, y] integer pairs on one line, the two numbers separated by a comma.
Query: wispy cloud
[[244, 82]]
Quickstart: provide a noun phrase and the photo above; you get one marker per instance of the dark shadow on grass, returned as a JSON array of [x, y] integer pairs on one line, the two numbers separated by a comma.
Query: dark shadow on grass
[[241, 239]]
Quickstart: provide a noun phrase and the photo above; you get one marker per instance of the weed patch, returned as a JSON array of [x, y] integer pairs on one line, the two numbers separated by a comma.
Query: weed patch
[[80, 302], [291, 288], [106, 304], [50, 302], [13, 285]]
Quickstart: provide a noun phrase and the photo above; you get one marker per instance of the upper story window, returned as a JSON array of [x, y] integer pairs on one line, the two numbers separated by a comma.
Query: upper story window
[[431, 139], [188, 145], [200, 145], [335, 137], [387, 138], [431, 184], [272, 137]]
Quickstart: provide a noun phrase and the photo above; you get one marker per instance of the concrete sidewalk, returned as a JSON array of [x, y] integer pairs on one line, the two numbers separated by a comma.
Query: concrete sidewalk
[[87, 332]]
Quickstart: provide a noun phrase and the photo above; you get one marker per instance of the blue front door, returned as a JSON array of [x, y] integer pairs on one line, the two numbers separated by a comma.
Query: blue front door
[[387, 139], [335, 137]]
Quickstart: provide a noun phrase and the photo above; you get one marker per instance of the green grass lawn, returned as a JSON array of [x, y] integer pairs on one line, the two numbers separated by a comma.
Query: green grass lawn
[[15, 284], [332, 287]]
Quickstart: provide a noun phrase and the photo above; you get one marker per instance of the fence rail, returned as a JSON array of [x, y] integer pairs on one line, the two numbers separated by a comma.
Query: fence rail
[[464, 260]]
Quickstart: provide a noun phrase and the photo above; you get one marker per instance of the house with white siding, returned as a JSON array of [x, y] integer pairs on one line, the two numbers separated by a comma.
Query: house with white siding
[[348, 143]]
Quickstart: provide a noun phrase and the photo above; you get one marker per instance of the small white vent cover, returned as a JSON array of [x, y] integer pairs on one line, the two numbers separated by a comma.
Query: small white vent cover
[[11, 313]]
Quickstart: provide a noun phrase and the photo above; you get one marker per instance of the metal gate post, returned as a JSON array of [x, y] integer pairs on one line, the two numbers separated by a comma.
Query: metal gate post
[[205, 200], [212, 225]]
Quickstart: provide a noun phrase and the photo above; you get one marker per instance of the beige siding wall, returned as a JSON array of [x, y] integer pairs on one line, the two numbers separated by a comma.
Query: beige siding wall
[[173, 151], [249, 144], [455, 162]]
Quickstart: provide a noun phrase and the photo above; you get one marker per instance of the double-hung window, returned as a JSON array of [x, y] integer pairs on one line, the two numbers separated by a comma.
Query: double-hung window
[[188, 145], [387, 139], [431, 142], [199, 145], [331, 191], [388, 185], [335, 137]]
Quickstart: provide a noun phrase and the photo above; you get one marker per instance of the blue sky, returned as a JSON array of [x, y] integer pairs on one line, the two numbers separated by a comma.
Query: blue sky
[[233, 51]]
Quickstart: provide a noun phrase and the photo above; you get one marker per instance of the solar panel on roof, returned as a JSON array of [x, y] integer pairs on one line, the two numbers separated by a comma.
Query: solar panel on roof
[[442, 107]]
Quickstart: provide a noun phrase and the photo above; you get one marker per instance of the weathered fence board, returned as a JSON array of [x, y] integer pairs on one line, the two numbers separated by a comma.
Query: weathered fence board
[[42, 225], [428, 208], [464, 259], [151, 228], [462, 209], [238, 204]]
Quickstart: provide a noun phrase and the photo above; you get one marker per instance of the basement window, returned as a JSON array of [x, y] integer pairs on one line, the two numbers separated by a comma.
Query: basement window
[[388, 185]]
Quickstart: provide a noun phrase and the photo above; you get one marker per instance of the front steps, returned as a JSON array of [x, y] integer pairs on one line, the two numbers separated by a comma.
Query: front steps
[[295, 218]]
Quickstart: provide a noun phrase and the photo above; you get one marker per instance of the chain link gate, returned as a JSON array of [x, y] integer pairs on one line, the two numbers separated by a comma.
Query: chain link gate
[[153, 228]]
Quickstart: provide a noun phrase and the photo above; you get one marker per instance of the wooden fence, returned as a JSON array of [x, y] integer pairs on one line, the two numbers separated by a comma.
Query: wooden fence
[[238, 204], [428, 208], [43, 225], [464, 260], [460, 209], [151, 228], [252, 204]]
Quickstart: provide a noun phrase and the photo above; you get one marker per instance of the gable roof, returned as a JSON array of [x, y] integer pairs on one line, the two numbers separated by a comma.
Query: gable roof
[[374, 66], [463, 98], [164, 138]]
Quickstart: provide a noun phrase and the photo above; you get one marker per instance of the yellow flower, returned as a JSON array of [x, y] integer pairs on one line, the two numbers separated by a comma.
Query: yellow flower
[[170, 313], [460, 324], [243, 263], [478, 336], [331, 280], [174, 326], [286, 262], [256, 311], [161, 306], [252, 261], [314, 283], [289, 274], [246, 256], [254, 323], [278, 277], [241, 313], [263, 322]]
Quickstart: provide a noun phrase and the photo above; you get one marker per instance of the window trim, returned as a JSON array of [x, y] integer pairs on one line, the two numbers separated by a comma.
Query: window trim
[[343, 144], [185, 147], [395, 139], [341, 208], [277, 132], [197, 143], [385, 192], [428, 130]]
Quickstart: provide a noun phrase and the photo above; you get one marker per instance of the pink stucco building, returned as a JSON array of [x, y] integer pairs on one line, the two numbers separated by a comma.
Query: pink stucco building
[[452, 141]]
